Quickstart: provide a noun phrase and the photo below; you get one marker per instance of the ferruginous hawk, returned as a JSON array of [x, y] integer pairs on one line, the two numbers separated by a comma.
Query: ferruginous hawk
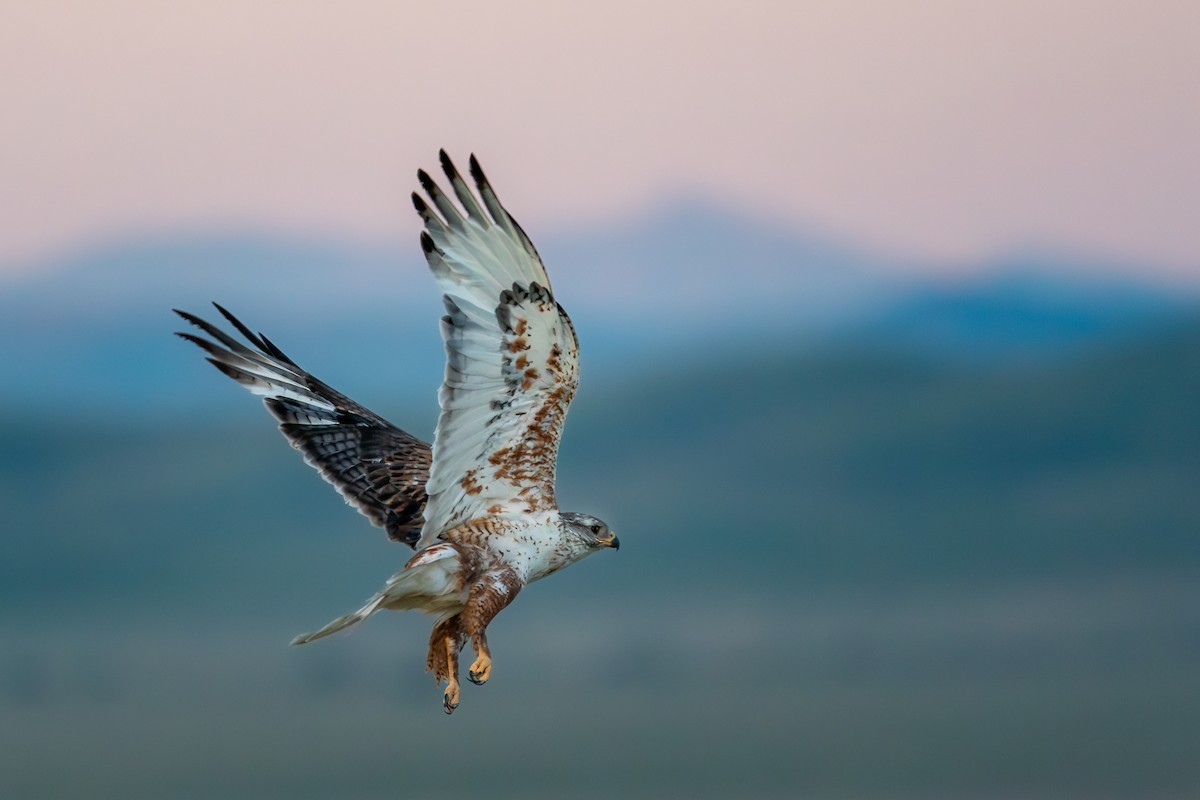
[[479, 506]]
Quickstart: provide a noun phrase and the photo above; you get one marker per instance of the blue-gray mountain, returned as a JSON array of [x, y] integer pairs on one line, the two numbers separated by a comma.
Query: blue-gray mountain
[[94, 323]]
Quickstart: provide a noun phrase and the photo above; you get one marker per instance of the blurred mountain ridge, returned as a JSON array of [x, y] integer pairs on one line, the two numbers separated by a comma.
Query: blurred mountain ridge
[[684, 284]]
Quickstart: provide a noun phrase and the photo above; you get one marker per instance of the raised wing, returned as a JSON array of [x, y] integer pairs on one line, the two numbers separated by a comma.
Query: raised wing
[[378, 468], [512, 360]]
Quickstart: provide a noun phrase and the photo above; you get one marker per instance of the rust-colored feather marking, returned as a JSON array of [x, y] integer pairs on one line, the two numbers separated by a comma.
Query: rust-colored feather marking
[[509, 400], [554, 362], [469, 483], [530, 463]]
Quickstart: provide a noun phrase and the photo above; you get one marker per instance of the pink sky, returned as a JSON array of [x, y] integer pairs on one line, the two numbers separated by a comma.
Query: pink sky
[[946, 131]]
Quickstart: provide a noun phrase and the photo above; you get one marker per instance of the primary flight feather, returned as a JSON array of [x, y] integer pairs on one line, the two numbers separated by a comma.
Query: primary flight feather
[[479, 506]]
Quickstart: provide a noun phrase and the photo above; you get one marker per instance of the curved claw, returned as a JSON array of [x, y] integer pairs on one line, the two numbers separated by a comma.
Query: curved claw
[[450, 698], [481, 670]]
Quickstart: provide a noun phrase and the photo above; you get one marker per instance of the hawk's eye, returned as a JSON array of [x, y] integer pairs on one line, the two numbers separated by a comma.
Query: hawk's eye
[[595, 528]]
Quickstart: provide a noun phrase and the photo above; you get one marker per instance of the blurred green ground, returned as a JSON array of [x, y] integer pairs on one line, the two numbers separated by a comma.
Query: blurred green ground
[[852, 574]]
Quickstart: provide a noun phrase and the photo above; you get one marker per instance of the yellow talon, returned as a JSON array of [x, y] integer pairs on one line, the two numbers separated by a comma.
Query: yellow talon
[[481, 670], [450, 698]]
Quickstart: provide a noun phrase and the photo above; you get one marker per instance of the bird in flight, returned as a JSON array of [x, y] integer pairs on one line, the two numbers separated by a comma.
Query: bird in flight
[[478, 506]]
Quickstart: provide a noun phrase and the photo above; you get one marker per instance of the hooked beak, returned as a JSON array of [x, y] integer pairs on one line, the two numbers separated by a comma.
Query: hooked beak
[[612, 541]]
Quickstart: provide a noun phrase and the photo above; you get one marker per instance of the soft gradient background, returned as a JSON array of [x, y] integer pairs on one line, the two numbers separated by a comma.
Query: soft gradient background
[[891, 328], [939, 130]]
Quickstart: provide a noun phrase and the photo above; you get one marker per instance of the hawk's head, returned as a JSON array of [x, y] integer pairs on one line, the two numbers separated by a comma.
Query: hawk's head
[[593, 532]]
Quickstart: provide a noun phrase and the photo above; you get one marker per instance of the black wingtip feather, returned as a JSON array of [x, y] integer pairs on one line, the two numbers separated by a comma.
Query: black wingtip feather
[[427, 243], [273, 349], [420, 205], [192, 318], [477, 172], [447, 164], [199, 341], [242, 329], [238, 375], [213, 331]]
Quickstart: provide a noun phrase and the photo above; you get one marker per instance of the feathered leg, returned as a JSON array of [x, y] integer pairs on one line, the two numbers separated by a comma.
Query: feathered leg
[[444, 643], [487, 599]]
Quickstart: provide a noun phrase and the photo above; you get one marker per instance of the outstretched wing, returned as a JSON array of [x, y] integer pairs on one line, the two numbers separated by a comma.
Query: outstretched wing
[[379, 469], [512, 360]]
